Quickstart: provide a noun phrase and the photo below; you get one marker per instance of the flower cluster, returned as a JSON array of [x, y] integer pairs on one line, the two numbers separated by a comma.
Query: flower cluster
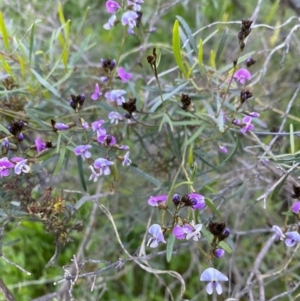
[[129, 17], [17, 163]]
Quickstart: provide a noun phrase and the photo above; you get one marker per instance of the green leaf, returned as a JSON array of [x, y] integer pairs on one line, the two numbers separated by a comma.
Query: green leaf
[[272, 12], [81, 173], [60, 161], [4, 32], [222, 44], [170, 246], [114, 171], [278, 187], [145, 176], [196, 134], [174, 145], [200, 53], [292, 140], [6, 65], [237, 144], [44, 83], [191, 155], [213, 59], [189, 33], [209, 203], [176, 47], [31, 42]]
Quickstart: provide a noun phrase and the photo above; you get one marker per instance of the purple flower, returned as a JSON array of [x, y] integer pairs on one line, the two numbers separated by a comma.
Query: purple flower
[[155, 200], [197, 201], [247, 125], [114, 117], [116, 95], [5, 165], [176, 199], [126, 161], [253, 114], [83, 150], [20, 137], [195, 233], [123, 147], [296, 207], [84, 124], [106, 140], [242, 75], [61, 126], [278, 232], [21, 165], [134, 4], [213, 276], [157, 236], [223, 149], [129, 18], [103, 166], [97, 93], [5, 143], [110, 23], [103, 79], [40, 145], [125, 77], [292, 238], [97, 127], [219, 253], [94, 176], [180, 231], [112, 6]]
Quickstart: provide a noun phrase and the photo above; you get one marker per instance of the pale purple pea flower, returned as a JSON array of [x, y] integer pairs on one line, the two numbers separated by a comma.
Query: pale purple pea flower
[[40, 145], [106, 140], [94, 176], [247, 125], [84, 124], [21, 165], [213, 276], [114, 117], [83, 151], [155, 200], [134, 4], [292, 238], [180, 232], [103, 79], [61, 126], [219, 253], [157, 236], [125, 76], [242, 75], [195, 233], [103, 166], [129, 18], [5, 165], [296, 207], [197, 200], [110, 23], [126, 161], [254, 114], [5, 143], [97, 93], [123, 147], [112, 6], [117, 96], [278, 233], [97, 127]]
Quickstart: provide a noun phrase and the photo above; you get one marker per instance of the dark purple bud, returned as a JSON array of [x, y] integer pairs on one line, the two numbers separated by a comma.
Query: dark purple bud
[[21, 124], [250, 62], [176, 199], [20, 137], [10, 128], [219, 253], [81, 99], [73, 104]]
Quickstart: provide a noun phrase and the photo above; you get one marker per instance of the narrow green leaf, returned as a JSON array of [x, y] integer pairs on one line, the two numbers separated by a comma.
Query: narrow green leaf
[[292, 140], [272, 12], [189, 33], [191, 155], [176, 47], [196, 134], [61, 16], [22, 65], [200, 53], [6, 65], [44, 83], [213, 59], [174, 145], [209, 203], [278, 187], [60, 161], [233, 152], [4, 129], [31, 45], [58, 141], [170, 246], [4, 32], [210, 237], [169, 121], [145, 176], [194, 172], [222, 44], [81, 173], [114, 172]]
